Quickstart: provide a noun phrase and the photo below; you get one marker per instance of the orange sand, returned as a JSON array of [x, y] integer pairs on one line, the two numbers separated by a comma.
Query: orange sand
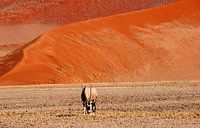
[[67, 11], [148, 45], [23, 21]]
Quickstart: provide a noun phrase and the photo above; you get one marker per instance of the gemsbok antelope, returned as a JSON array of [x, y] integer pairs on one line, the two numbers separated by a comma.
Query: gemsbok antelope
[[89, 97]]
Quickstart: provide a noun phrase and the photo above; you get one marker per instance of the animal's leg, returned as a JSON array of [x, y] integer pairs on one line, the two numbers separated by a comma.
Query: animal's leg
[[84, 110], [84, 107], [93, 106]]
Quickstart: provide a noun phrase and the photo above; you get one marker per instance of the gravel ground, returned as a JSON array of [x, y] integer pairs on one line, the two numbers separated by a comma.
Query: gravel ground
[[135, 105]]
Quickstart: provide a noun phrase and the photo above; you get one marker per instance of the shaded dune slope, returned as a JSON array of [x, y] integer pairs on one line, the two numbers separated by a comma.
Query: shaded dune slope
[[148, 45], [67, 11], [7, 48]]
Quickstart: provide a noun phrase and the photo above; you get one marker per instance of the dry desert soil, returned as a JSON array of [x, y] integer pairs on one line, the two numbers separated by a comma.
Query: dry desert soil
[[135, 105]]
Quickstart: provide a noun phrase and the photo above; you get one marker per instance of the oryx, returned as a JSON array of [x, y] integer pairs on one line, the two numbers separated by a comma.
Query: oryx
[[89, 97]]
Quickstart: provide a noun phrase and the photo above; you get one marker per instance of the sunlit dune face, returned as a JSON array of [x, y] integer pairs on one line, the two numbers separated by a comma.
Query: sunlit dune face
[[23, 21], [137, 46]]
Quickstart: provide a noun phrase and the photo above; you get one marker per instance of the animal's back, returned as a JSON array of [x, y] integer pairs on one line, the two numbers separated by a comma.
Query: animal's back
[[91, 93]]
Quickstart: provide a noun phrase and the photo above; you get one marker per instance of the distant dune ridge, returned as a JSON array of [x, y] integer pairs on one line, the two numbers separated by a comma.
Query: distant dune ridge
[[148, 45], [21, 21], [67, 11], [18, 35]]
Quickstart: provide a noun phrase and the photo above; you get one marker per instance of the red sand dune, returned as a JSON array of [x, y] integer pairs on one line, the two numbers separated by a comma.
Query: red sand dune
[[67, 11], [24, 20], [148, 45]]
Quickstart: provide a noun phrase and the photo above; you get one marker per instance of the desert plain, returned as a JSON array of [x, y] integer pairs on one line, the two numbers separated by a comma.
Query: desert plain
[[134, 105]]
